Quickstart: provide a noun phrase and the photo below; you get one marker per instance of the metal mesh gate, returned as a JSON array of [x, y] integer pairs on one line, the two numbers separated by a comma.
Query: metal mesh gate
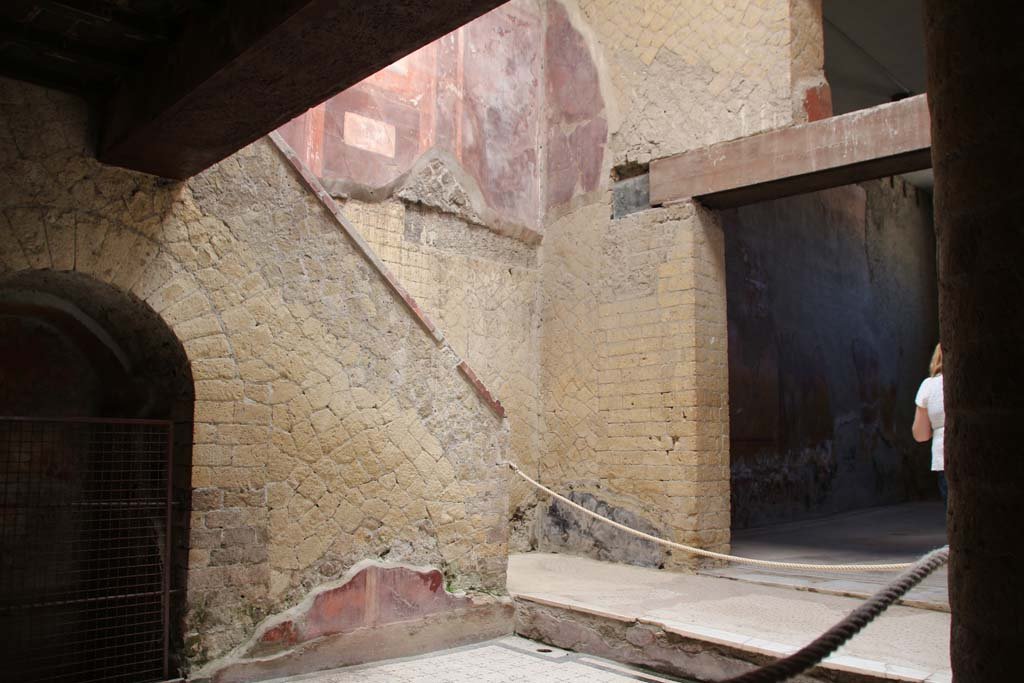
[[84, 547]]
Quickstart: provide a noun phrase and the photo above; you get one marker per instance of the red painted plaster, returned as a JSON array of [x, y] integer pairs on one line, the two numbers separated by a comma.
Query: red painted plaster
[[482, 390], [475, 93], [577, 124], [818, 102], [375, 596], [283, 634]]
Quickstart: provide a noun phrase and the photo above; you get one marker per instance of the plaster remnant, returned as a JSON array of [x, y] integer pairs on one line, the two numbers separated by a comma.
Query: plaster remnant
[[376, 600]]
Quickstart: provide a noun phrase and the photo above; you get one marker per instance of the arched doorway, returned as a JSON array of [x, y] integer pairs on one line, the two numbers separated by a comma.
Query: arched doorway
[[96, 402]]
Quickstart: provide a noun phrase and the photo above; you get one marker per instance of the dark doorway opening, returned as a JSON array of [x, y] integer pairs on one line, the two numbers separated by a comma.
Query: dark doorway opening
[[832, 313], [96, 402]]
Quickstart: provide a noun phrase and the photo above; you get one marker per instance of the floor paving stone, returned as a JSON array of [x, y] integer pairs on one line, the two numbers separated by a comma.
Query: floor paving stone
[[508, 660]]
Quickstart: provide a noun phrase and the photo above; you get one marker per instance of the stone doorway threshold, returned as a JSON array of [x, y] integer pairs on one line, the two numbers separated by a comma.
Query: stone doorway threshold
[[894, 533], [707, 627]]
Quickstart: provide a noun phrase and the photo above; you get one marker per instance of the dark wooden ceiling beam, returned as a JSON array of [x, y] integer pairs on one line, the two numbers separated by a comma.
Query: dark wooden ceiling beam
[[65, 49], [254, 65], [108, 17], [885, 140], [47, 78]]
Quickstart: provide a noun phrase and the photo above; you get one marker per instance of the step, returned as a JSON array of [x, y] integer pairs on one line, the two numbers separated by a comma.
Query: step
[[932, 596], [709, 629], [685, 650]]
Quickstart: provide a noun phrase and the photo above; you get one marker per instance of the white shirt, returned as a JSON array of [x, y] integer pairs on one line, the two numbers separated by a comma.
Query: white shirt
[[929, 397]]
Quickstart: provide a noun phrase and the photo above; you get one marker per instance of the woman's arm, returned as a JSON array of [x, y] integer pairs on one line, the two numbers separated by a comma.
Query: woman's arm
[[922, 428]]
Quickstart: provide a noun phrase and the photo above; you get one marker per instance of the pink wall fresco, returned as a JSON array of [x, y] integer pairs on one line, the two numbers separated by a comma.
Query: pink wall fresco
[[577, 125], [475, 94]]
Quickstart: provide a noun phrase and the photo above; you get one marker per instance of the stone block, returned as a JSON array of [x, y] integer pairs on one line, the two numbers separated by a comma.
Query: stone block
[[631, 195], [204, 499], [228, 518]]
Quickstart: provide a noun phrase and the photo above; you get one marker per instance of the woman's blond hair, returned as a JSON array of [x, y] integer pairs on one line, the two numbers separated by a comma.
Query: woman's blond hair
[[935, 367]]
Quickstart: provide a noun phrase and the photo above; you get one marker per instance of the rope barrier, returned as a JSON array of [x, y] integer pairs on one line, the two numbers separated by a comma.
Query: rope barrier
[[825, 644], [830, 641], [892, 567]]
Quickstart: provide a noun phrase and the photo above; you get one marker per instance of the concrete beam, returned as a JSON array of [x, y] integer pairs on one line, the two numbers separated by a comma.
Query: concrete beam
[[881, 141], [246, 67]]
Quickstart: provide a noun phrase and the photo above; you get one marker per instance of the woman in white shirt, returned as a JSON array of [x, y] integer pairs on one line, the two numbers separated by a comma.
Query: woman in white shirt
[[930, 419]]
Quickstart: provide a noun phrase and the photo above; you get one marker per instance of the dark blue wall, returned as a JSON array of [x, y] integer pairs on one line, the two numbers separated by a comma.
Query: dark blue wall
[[832, 311]]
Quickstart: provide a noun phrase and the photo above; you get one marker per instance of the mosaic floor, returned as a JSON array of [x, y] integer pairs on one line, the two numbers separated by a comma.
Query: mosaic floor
[[499, 661]]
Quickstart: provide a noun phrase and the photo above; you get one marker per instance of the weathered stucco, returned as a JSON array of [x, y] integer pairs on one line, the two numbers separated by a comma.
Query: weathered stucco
[[377, 608], [577, 118], [690, 73], [329, 427]]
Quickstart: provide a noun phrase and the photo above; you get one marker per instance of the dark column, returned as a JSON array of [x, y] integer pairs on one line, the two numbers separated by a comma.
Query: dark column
[[975, 67]]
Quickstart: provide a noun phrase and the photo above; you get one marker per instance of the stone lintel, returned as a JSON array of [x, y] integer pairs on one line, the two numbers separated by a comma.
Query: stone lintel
[[245, 68], [885, 140]]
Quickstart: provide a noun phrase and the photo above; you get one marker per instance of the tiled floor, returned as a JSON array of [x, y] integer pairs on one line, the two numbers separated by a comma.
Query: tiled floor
[[509, 660]]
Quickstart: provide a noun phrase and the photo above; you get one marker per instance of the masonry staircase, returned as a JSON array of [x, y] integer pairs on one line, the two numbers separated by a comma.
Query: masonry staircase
[[619, 620]]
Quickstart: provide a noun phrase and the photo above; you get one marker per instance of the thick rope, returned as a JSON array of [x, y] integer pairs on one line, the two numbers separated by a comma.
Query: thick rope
[[833, 639], [894, 567]]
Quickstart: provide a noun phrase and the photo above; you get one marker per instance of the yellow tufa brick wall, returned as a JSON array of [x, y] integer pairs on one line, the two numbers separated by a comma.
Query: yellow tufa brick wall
[[636, 395], [634, 362], [329, 424]]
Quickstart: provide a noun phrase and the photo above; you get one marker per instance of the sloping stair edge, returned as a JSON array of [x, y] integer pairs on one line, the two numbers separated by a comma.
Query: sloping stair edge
[[310, 180], [682, 649]]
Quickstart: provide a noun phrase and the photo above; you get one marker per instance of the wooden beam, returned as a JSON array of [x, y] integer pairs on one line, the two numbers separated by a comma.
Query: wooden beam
[[885, 140], [246, 67], [63, 49], [106, 17]]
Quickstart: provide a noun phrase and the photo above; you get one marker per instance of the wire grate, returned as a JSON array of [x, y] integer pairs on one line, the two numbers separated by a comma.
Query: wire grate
[[84, 540]]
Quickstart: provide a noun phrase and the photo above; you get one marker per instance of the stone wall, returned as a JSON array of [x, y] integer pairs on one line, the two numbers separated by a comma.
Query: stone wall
[[329, 425], [482, 290], [590, 352], [634, 377], [690, 73], [454, 207], [634, 340], [832, 320]]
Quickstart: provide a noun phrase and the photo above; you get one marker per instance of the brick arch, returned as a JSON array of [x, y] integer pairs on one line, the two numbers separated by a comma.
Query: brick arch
[[133, 249], [122, 333], [75, 329], [331, 422], [150, 252]]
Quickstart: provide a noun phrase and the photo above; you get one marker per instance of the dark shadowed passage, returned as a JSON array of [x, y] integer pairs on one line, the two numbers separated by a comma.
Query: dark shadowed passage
[[832, 316], [96, 403]]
